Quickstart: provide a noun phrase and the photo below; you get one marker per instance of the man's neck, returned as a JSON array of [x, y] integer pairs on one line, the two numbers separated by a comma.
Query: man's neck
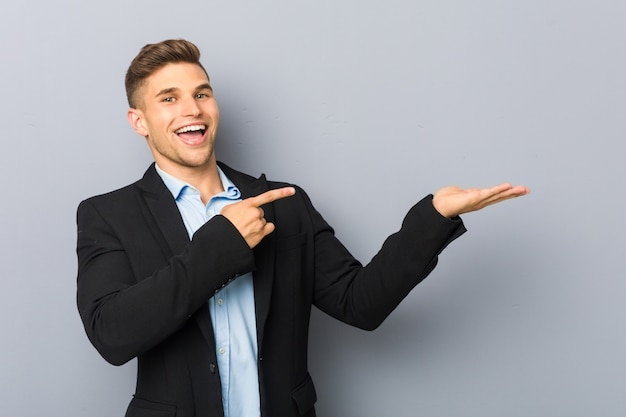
[[205, 179]]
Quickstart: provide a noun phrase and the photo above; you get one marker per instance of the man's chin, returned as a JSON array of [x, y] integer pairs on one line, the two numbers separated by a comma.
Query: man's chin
[[198, 161], [185, 163]]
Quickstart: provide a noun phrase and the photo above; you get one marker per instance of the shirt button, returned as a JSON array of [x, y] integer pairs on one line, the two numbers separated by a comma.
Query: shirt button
[[220, 301], [222, 350]]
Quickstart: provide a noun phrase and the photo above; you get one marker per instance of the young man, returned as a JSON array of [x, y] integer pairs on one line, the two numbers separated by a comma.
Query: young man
[[207, 275]]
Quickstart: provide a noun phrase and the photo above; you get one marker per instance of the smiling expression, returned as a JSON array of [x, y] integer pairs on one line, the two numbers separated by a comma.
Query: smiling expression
[[178, 115]]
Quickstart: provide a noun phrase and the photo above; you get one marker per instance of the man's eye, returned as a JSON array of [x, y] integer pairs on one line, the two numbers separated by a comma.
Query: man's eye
[[201, 95], [169, 99]]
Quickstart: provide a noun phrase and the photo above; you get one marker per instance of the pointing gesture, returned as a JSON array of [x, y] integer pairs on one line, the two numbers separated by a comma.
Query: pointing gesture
[[248, 217]]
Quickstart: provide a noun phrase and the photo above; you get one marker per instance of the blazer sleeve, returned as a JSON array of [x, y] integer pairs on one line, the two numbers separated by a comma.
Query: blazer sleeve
[[125, 314], [364, 296]]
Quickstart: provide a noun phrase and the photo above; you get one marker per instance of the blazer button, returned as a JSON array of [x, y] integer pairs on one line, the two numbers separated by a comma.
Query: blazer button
[[212, 368]]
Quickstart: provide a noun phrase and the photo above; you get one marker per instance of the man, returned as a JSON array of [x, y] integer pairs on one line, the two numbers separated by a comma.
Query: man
[[207, 275]]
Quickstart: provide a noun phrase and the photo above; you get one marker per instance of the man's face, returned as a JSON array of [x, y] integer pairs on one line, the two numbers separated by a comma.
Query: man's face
[[178, 116]]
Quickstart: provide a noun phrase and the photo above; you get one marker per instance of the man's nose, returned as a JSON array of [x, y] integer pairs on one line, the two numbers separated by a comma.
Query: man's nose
[[191, 107]]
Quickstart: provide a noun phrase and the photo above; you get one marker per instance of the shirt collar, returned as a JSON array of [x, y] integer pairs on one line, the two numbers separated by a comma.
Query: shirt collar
[[178, 186]]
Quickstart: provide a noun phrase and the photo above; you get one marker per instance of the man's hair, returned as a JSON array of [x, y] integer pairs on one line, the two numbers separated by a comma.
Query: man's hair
[[154, 56]]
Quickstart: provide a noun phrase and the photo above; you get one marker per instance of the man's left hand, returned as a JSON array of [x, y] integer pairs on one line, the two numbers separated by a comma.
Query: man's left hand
[[453, 201]]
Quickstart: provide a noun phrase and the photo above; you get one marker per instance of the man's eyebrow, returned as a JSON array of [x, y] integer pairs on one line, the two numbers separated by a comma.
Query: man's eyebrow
[[170, 90], [166, 91], [205, 86]]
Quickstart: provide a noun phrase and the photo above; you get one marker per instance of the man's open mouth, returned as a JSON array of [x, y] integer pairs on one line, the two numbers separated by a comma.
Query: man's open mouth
[[192, 134]]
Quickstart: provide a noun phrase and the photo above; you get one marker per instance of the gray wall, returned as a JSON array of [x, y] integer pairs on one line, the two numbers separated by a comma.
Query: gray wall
[[525, 314]]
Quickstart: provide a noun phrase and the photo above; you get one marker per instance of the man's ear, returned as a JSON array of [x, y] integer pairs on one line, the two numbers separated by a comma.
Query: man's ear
[[137, 121]]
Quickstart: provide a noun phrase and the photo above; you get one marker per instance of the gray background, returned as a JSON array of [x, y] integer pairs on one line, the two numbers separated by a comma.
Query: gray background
[[369, 105]]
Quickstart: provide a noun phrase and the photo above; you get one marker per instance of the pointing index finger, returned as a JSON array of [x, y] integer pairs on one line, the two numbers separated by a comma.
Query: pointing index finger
[[272, 195]]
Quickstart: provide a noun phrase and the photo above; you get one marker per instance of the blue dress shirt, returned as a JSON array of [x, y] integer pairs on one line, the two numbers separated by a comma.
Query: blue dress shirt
[[232, 309]]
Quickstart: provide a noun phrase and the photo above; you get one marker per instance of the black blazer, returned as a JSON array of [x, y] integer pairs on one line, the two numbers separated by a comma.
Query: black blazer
[[143, 286]]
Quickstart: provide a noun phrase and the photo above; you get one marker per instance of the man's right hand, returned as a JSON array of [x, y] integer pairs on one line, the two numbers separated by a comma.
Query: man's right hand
[[248, 217]]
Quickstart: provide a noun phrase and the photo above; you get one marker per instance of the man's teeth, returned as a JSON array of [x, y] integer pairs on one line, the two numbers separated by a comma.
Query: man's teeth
[[193, 128]]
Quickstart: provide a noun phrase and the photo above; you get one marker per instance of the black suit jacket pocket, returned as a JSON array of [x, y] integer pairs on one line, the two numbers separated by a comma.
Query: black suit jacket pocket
[[140, 407], [305, 396]]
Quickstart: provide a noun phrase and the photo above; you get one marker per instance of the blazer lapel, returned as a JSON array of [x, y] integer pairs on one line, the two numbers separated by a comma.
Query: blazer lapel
[[263, 253], [164, 215], [168, 225]]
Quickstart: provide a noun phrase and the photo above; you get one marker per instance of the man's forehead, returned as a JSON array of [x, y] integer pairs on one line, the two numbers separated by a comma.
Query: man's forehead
[[177, 76]]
